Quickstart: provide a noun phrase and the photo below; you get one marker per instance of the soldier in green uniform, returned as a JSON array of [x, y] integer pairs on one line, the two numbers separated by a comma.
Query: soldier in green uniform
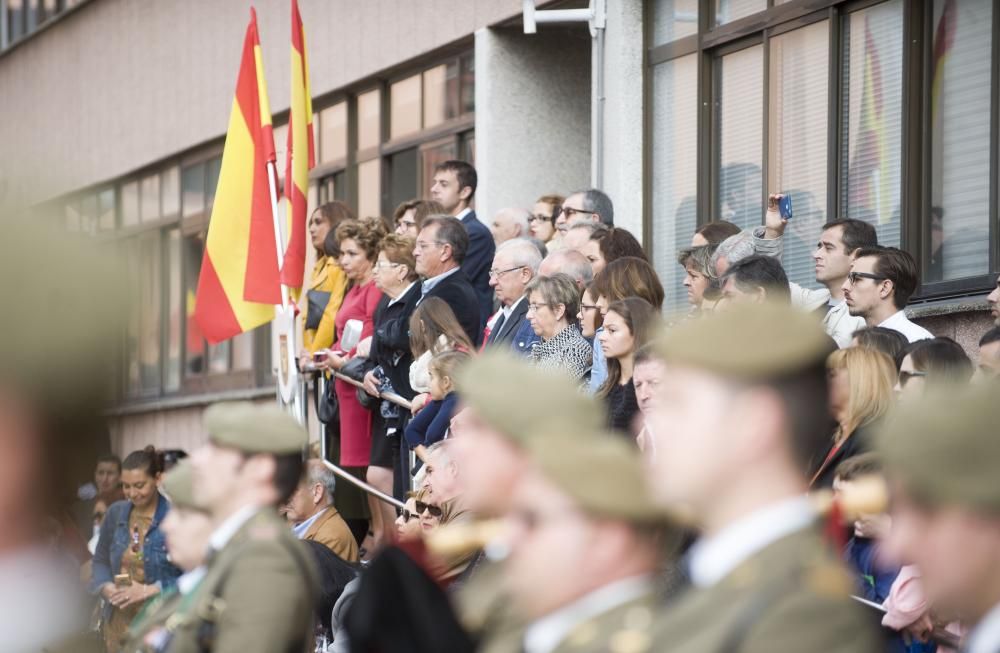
[[259, 587], [187, 528], [587, 546], [505, 399], [942, 455], [741, 414]]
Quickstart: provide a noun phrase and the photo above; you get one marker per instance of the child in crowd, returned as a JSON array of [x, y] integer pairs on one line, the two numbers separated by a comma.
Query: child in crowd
[[431, 423], [862, 552]]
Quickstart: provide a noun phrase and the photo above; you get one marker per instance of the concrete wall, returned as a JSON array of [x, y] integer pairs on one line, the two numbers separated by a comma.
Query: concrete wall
[[532, 115], [118, 84]]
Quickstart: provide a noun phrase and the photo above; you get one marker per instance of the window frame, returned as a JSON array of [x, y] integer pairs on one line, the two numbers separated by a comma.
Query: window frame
[[710, 43]]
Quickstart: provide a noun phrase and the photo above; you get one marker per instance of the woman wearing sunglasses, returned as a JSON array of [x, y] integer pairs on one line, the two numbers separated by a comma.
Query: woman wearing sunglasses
[[416, 517], [130, 563], [930, 362]]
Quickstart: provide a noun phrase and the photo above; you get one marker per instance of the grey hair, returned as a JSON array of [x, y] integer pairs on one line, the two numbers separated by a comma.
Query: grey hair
[[558, 289], [702, 258], [317, 472], [443, 446], [592, 228], [598, 202], [519, 217], [573, 263], [522, 253], [734, 249]]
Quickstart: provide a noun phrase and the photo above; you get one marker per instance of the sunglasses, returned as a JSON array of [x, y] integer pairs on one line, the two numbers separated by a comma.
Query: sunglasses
[[407, 516], [904, 377], [433, 511]]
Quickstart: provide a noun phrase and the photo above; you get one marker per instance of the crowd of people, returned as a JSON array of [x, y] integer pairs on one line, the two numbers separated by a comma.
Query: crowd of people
[[589, 475]]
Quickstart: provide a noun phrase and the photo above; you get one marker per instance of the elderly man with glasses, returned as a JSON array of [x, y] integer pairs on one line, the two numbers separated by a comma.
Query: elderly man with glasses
[[514, 266]]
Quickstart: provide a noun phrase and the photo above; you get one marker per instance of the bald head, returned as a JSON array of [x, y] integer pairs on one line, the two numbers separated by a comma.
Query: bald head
[[509, 224], [568, 261]]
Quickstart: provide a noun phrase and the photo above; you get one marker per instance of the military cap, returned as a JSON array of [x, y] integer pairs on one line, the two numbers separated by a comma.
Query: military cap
[[944, 447], [515, 397], [177, 483], [602, 473], [748, 341], [254, 428]]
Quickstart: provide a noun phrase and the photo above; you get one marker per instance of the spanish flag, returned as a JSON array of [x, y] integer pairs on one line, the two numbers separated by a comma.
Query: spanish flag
[[239, 284], [301, 156]]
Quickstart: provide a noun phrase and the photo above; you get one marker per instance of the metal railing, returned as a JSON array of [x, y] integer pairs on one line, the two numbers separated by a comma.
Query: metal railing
[[324, 454]]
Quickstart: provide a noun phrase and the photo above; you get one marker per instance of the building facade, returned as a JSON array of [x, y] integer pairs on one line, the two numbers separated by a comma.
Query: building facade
[[114, 113]]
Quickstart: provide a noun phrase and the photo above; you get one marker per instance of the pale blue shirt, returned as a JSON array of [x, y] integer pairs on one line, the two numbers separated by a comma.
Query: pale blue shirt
[[599, 370], [301, 529], [429, 284]]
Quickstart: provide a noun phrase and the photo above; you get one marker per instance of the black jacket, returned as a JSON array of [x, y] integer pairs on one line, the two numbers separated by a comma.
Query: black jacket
[[857, 443], [511, 325], [391, 339], [477, 263], [457, 292]]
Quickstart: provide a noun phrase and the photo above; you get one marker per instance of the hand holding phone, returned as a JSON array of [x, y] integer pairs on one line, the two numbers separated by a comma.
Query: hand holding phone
[[785, 206]]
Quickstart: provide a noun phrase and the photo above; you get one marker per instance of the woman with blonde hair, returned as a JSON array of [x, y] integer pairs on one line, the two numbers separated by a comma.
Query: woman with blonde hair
[[861, 394]]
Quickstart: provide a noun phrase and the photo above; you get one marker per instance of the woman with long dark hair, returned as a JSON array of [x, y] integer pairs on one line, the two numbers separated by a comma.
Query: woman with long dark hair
[[627, 326]]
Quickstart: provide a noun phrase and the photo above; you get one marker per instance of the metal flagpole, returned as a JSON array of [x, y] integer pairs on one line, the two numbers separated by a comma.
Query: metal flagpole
[[283, 326]]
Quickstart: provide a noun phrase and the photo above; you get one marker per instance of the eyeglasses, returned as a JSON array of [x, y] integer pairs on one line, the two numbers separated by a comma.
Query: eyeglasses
[[496, 274], [534, 308], [569, 212], [904, 377], [406, 224], [589, 307], [854, 276], [541, 218], [433, 511], [382, 266], [407, 516], [423, 244]]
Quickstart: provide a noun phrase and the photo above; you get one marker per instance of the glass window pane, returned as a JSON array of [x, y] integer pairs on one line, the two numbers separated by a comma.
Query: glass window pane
[[212, 169], [468, 100], [148, 301], [193, 190], [430, 157], [404, 113], [132, 376], [170, 191], [130, 204], [369, 118], [218, 357], [88, 214], [369, 189], [727, 11], [150, 209], [15, 19], [172, 376], [403, 177], [958, 232], [675, 122], [741, 119], [243, 351], [674, 19], [333, 133], [106, 209], [872, 118], [797, 133], [441, 94], [194, 344]]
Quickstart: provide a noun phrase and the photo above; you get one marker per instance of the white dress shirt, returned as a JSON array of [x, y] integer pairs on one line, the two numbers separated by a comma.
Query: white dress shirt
[[713, 558], [466, 211], [545, 634], [301, 529], [227, 529], [913, 332], [187, 582], [985, 637]]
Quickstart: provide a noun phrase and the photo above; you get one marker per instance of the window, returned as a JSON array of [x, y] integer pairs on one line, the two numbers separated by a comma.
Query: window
[[193, 190], [150, 194], [674, 19], [872, 97], [441, 94], [143, 330], [468, 89], [369, 188], [22, 17], [130, 204], [175, 306], [170, 189], [431, 155], [369, 120], [106, 209], [956, 228], [797, 158], [741, 119], [675, 128], [403, 177], [194, 342], [212, 169], [727, 11], [404, 112], [333, 133]]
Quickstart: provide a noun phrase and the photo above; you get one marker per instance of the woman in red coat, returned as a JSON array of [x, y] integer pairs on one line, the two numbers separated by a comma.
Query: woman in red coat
[[359, 248]]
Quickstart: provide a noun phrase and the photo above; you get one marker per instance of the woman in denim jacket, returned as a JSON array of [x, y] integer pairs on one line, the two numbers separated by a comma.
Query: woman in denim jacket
[[130, 564]]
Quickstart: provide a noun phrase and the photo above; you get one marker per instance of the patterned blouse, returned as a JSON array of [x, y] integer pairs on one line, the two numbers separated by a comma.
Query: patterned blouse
[[568, 351]]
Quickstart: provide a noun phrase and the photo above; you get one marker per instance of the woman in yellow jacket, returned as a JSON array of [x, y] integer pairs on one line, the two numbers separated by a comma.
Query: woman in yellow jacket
[[328, 282]]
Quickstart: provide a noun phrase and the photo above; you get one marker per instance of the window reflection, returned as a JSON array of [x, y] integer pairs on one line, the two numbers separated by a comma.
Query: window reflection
[[150, 193], [674, 19], [172, 371], [369, 188], [404, 111], [727, 11], [193, 189], [170, 191], [333, 133], [369, 116], [740, 118], [106, 209], [194, 343]]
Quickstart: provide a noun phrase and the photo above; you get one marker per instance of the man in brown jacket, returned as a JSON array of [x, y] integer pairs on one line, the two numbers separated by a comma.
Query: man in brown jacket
[[311, 510]]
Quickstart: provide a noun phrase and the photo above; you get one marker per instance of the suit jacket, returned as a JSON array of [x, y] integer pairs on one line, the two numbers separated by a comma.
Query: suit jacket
[[516, 331], [391, 340], [259, 592], [457, 292], [331, 530], [790, 597], [477, 264], [856, 444]]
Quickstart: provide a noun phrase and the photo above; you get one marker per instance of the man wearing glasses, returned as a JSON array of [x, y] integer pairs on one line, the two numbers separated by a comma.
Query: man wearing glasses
[[881, 282], [514, 266], [590, 204]]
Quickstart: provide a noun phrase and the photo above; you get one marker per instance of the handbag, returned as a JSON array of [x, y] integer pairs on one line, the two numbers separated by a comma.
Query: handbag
[[327, 405], [318, 300]]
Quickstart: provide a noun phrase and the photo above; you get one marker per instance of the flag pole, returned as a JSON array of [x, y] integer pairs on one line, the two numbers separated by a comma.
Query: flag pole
[[288, 389], [279, 241]]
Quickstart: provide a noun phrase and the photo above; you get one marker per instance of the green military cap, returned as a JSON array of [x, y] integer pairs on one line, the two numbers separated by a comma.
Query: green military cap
[[748, 341], [254, 428], [514, 396], [177, 483], [602, 473], [944, 447]]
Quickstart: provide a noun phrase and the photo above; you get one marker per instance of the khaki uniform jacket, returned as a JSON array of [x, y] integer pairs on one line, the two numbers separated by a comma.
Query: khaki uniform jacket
[[259, 593], [487, 612], [627, 628], [150, 627], [791, 597], [332, 531]]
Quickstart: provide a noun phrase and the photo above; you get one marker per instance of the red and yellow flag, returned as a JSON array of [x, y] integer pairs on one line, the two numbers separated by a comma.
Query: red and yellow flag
[[301, 156], [239, 284]]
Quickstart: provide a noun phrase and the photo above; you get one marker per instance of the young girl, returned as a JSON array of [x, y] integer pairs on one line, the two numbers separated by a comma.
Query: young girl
[[433, 329], [626, 328], [431, 423]]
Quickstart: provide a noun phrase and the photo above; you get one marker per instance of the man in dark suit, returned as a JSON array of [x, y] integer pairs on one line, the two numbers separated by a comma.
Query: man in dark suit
[[441, 247], [514, 266], [453, 187]]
